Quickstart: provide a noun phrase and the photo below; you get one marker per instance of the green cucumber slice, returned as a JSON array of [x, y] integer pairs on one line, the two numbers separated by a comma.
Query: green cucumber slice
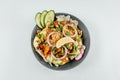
[[43, 18], [50, 17], [37, 19]]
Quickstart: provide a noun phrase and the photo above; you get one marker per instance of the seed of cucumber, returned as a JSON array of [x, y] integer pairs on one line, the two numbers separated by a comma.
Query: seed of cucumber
[[37, 19], [49, 17], [43, 18]]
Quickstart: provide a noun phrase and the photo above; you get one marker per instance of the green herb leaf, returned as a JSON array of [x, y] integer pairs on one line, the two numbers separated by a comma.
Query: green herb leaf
[[60, 25], [57, 56], [41, 36], [58, 29], [62, 50], [75, 47], [51, 26], [78, 39], [67, 33], [54, 49], [72, 54], [67, 46]]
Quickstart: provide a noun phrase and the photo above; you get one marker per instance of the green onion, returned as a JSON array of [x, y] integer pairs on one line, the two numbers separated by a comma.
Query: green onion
[[67, 46], [75, 47], [57, 56], [60, 25], [51, 26], [67, 33], [72, 54], [41, 36], [54, 49], [58, 29], [78, 39], [62, 50]]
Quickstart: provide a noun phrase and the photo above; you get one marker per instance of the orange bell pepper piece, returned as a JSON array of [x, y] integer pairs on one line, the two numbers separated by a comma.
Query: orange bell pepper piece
[[46, 50]]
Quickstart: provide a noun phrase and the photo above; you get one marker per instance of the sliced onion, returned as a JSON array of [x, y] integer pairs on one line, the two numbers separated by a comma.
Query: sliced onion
[[76, 43], [83, 47], [49, 36], [61, 57], [81, 53], [78, 57], [72, 27]]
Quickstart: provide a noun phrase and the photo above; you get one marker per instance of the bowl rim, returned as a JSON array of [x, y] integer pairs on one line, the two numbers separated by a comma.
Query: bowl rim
[[69, 66]]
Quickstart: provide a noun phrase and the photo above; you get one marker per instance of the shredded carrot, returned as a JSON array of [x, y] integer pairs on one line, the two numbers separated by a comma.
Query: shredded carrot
[[65, 60], [46, 50], [48, 31], [72, 32], [65, 22], [40, 46], [59, 50]]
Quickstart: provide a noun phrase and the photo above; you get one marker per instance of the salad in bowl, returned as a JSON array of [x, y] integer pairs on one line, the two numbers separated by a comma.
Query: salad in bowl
[[58, 39]]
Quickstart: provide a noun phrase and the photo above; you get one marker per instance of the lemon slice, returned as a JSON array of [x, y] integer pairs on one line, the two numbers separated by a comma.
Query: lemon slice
[[63, 41]]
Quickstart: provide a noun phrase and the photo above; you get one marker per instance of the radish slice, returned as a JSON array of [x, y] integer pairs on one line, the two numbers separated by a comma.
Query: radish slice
[[61, 57], [78, 57], [49, 37], [72, 27], [81, 53], [83, 47]]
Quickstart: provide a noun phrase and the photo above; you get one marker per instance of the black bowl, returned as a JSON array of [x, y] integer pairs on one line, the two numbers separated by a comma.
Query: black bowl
[[73, 63]]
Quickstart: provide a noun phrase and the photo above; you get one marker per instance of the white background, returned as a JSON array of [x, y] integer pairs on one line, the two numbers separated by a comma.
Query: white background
[[102, 18]]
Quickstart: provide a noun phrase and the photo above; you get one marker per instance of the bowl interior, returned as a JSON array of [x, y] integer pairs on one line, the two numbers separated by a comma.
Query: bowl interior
[[73, 63]]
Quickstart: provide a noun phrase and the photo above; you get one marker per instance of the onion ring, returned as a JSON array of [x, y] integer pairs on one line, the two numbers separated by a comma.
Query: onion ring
[[72, 27], [49, 36], [62, 56], [76, 43], [81, 53]]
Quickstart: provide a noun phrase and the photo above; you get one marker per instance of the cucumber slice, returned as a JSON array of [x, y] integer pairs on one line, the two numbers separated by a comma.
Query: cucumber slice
[[37, 19], [43, 18], [50, 17]]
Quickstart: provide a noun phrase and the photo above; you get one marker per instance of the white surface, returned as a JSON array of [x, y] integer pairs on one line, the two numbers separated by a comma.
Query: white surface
[[102, 18]]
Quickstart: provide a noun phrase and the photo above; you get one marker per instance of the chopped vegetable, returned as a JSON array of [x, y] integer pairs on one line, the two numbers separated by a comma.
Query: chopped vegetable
[[58, 29], [37, 19], [60, 58], [78, 38], [41, 36], [45, 17], [72, 32], [67, 46], [54, 49], [42, 19], [65, 60], [46, 50], [67, 33], [75, 47], [56, 23], [53, 37], [51, 26], [72, 54], [49, 17]]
